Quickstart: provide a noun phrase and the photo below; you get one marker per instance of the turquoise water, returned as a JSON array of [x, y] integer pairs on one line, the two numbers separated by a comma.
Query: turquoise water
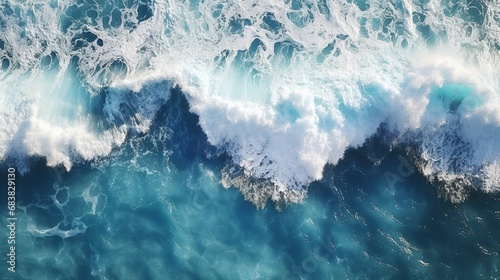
[[349, 139]]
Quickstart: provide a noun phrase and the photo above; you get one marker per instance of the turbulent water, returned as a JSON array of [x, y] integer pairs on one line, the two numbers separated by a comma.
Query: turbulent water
[[364, 122]]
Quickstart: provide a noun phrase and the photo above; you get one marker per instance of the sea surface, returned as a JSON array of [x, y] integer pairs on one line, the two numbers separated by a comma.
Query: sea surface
[[295, 139]]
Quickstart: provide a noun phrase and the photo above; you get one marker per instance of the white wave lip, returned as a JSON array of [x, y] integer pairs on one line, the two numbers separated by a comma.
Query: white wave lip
[[282, 87]]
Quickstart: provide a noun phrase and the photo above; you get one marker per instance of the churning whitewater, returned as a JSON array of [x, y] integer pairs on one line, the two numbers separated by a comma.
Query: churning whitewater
[[282, 87]]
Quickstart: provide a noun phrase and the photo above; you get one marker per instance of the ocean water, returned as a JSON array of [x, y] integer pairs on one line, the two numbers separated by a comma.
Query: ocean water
[[251, 139]]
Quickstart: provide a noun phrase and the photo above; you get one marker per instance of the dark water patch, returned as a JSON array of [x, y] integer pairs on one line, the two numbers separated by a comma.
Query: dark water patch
[[296, 5], [144, 11], [6, 8], [106, 17], [65, 23], [217, 11], [255, 46], [271, 23], [74, 12], [106, 14], [363, 29], [189, 140], [100, 42], [96, 106], [173, 128], [116, 18], [92, 14], [404, 43], [325, 52], [427, 33], [363, 5], [476, 11], [237, 25], [342, 37], [386, 25], [5, 64], [82, 40], [46, 61]]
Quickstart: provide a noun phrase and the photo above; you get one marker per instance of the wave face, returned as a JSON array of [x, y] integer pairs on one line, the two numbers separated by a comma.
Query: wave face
[[283, 88]]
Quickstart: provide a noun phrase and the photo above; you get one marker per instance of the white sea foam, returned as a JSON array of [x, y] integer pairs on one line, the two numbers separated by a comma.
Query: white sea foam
[[282, 87]]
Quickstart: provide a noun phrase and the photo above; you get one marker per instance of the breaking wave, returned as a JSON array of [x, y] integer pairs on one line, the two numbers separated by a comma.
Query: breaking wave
[[283, 87]]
